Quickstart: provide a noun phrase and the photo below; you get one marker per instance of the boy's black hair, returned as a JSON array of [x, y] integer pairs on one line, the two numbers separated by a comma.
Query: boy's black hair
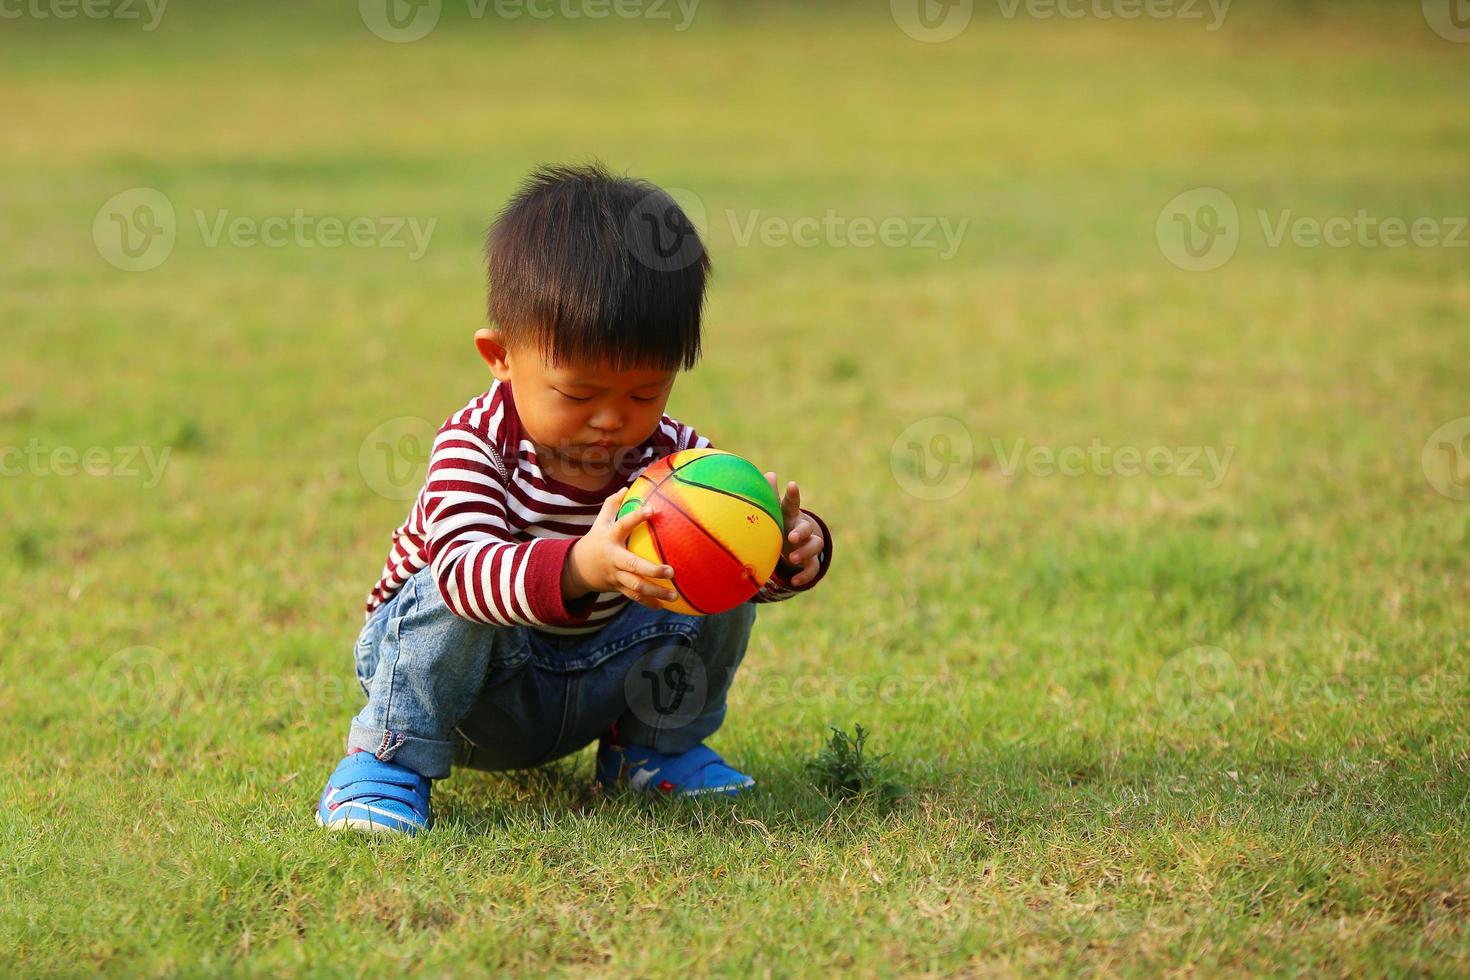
[[590, 266]]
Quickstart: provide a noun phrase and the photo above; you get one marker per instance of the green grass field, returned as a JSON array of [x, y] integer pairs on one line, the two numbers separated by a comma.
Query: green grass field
[[1151, 722]]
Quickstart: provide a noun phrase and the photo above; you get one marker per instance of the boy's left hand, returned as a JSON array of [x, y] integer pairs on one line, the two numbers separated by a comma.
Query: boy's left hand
[[801, 541]]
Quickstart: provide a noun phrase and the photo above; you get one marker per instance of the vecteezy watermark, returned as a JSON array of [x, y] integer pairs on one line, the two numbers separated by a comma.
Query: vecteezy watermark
[[1200, 229], [302, 230], [1450, 19], [1446, 459], [1207, 463], [1210, 12], [1205, 686], [405, 21], [668, 687], [1198, 687], [394, 457], [148, 12], [666, 230], [1362, 230], [36, 458], [934, 458], [136, 230], [834, 230], [811, 688], [934, 21], [137, 688]]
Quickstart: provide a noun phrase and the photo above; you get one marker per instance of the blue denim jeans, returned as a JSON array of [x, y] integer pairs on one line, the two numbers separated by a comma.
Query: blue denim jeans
[[445, 691]]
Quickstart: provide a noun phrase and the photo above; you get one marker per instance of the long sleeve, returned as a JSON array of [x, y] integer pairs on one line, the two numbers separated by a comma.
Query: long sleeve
[[779, 588], [482, 573]]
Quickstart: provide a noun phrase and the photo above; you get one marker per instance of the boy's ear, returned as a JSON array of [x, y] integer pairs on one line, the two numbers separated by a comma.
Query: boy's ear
[[489, 344]]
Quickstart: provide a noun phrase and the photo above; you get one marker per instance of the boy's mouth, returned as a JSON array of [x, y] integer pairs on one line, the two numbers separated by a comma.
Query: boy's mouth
[[582, 448]]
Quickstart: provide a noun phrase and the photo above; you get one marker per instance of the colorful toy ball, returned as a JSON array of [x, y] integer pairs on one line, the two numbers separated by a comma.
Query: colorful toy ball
[[715, 520]]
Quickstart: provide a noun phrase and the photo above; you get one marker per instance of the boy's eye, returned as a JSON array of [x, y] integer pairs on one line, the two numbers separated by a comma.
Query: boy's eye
[[588, 398]]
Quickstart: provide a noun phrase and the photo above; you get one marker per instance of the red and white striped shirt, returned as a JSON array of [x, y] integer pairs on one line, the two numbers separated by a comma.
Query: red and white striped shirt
[[496, 529]]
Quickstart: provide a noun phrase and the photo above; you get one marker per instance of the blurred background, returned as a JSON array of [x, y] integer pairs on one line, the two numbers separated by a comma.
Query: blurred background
[[1122, 343]]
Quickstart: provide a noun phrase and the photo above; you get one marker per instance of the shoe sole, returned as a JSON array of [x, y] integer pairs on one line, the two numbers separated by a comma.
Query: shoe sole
[[734, 790], [361, 825], [623, 787]]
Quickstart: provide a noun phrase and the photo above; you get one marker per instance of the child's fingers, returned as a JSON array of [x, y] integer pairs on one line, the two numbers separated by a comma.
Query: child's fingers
[[791, 500], [623, 526], [807, 552], [810, 567], [625, 561], [609, 511], [637, 589]]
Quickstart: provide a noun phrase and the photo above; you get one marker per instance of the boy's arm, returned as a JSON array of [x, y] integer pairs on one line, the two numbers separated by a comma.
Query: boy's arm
[[484, 574], [779, 587]]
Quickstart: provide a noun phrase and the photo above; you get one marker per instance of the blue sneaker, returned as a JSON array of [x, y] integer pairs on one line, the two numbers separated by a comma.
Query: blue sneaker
[[698, 772], [369, 795]]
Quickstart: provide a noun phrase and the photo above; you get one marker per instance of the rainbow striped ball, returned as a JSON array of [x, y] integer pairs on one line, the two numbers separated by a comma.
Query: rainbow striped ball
[[715, 520]]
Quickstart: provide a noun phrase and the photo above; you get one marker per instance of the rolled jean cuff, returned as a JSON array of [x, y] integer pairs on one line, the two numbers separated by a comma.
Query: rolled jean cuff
[[427, 757]]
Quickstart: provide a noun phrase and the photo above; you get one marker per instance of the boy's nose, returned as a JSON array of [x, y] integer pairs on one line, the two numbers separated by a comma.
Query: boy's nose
[[608, 422]]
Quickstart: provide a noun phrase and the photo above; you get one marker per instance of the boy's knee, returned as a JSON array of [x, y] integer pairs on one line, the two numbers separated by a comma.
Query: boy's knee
[[737, 620], [723, 636]]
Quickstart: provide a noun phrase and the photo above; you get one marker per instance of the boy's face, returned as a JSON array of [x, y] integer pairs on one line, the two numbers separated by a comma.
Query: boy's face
[[578, 411]]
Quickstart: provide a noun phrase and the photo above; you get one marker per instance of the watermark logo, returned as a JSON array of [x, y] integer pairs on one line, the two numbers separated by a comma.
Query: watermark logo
[[680, 12], [1211, 12], [139, 687], [1198, 687], [405, 21], [149, 12], [667, 687], [936, 21], [933, 458], [1097, 458], [835, 687], [136, 687], [38, 459], [836, 230], [665, 229], [932, 21], [1450, 19], [299, 229], [1199, 230], [1362, 230], [135, 230], [1446, 459], [400, 21], [394, 457]]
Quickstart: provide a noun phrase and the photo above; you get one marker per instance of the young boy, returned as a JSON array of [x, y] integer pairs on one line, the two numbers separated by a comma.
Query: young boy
[[511, 625]]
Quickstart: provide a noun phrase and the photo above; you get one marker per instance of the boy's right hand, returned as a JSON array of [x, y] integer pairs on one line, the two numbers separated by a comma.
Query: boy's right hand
[[601, 562]]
